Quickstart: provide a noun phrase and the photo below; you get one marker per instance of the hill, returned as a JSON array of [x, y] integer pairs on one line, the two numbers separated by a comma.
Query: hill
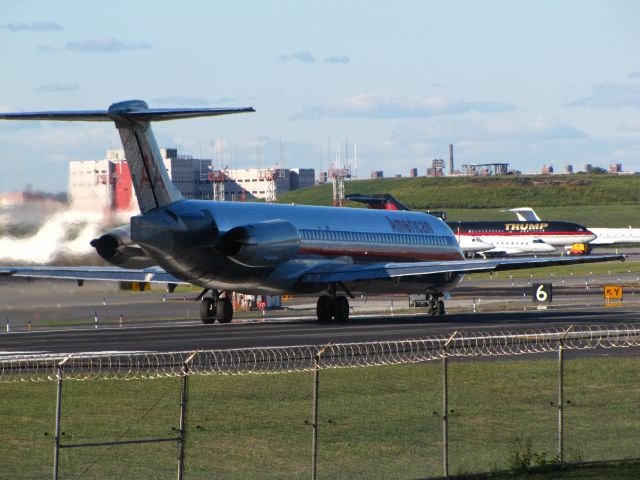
[[611, 199]]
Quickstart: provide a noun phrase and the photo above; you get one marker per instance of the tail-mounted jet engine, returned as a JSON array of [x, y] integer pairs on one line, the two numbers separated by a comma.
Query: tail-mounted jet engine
[[117, 248], [260, 244]]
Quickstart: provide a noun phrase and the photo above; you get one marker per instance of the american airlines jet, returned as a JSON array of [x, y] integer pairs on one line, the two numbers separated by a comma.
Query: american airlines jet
[[265, 248]]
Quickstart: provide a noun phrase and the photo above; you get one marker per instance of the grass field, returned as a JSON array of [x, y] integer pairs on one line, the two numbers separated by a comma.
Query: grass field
[[557, 272], [591, 200], [381, 422]]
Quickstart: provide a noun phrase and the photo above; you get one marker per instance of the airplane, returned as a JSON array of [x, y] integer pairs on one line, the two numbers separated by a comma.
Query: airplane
[[474, 245], [487, 239], [532, 236], [260, 248], [522, 246], [604, 236]]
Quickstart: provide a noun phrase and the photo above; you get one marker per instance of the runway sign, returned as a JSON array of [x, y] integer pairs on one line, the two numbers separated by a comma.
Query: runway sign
[[542, 292], [612, 295]]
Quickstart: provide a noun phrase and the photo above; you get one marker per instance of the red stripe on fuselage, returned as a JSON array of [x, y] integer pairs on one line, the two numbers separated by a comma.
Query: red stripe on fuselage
[[519, 234], [372, 253]]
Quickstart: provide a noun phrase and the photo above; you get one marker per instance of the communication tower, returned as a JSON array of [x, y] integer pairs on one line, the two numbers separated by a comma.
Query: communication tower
[[270, 176], [337, 176], [217, 177]]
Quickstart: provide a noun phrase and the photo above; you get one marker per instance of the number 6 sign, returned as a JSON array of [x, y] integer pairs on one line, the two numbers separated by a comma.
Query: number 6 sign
[[542, 292]]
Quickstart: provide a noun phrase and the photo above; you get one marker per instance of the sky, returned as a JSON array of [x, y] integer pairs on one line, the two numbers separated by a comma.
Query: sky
[[529, 83]]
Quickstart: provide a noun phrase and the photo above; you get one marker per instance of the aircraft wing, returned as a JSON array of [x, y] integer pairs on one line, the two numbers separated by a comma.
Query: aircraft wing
[[336, 272], [149, 275]]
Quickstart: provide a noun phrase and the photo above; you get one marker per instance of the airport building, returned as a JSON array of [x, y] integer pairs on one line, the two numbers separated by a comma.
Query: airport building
[[262, 183], [105, 185]]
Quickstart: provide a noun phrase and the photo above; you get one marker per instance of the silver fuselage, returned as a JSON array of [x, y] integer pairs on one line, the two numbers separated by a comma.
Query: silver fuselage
[[182, 239]]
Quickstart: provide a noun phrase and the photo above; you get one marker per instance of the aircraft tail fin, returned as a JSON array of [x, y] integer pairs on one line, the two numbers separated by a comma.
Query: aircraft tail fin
[[133, 120]]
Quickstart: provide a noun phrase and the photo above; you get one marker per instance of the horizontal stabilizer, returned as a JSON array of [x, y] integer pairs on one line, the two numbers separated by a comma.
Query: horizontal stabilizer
[[144, 114], [133, 119]]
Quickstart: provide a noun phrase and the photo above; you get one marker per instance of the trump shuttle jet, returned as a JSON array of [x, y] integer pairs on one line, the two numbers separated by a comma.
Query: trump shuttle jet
[[261, 248]]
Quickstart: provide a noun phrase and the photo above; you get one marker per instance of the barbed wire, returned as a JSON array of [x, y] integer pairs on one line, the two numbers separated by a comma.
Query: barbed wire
[[146, 365]]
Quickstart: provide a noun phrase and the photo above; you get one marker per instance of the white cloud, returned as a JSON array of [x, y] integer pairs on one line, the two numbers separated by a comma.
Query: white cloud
[[337, 59], [303, 57], [106, 45], [610, 95], [631, 124], [33, 26], [394, 105], [538, 128]]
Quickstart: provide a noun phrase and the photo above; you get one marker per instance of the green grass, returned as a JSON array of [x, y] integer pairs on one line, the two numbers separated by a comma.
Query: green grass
[[379, 422], [594, 200], [588, 269]]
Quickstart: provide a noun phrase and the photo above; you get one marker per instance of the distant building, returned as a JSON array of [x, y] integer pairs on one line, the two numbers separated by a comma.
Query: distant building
[[323, 177], [546, 169], [413, 172], [377, 174], [568, 169], [105, 185], [615, 168], [301, 178], [485, 169], [253, 183], [265, 183], [92, 185], [588, 168], [437, 168], [188, 174]]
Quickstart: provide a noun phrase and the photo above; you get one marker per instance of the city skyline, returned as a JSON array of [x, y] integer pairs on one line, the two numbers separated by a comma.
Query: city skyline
[[529, 84]]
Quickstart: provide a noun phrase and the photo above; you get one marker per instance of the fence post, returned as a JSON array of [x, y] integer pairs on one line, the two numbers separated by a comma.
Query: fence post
[[314, 412], [561, 395], [56, 438], [182, 434], [445, 407]]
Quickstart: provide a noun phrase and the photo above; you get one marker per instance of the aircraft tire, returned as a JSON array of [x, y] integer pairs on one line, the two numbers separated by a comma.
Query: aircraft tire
[[224, 311], [207, 311], [341, 309], [324, 309], [441, 309]]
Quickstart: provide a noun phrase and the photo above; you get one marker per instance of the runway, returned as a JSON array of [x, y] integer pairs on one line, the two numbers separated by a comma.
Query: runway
[[183, 336], [59, 317]]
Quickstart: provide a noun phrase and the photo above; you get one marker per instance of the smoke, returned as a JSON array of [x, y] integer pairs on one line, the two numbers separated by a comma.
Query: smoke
[[63, 235]]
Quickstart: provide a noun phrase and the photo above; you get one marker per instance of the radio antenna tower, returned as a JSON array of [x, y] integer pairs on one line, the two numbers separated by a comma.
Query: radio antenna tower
[[271, 176], [337, 174], [217, 178]]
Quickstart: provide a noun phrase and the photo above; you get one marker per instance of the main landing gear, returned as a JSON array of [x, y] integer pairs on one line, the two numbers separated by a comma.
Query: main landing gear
[[216, 308], [333, 306], [435, 304]]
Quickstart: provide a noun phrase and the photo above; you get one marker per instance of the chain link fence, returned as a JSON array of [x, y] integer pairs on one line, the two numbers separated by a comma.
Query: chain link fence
[[446, 398]]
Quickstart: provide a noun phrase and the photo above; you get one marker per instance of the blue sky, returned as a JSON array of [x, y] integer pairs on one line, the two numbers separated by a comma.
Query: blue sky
[[524, 83]]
